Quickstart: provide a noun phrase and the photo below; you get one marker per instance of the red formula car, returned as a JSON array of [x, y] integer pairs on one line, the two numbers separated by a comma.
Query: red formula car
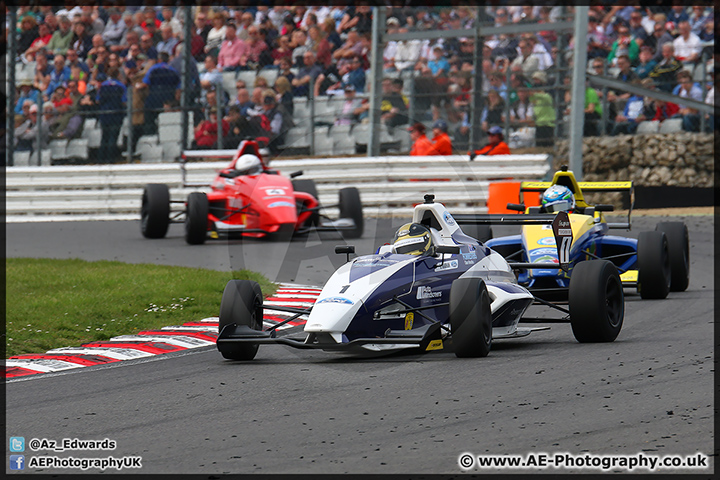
[[248, 199]]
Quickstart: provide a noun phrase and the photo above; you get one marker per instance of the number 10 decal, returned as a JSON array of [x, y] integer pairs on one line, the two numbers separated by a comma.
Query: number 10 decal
[[563, 238]]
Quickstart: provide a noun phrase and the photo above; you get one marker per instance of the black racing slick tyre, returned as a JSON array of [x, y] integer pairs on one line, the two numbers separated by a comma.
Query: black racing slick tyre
[[241, 304], [155, 210], [308, 186], [597, 301], [470, 318], [351, 207], [653, 263], [679, 250], [196, 218], [481, 233]]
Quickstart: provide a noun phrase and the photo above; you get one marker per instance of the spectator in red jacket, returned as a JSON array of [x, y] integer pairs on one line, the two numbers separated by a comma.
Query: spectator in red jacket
[[496, 145], [441, 140], [422, 146], [206, 131]]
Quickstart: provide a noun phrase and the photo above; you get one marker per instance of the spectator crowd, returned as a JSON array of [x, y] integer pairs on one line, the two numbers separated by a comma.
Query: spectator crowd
[[90, 61]]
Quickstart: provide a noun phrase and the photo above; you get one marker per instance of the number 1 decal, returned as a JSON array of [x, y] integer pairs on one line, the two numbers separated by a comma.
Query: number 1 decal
[[344, 288]]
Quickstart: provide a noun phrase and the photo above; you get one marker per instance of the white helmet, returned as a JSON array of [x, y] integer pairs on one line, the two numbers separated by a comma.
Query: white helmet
[[248, 164]]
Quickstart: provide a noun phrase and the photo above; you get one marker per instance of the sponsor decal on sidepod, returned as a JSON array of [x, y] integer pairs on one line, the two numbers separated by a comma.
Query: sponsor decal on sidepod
[[427, 292], [336, 300]]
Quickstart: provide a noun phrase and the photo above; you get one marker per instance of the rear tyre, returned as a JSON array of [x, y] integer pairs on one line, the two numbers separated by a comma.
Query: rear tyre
[[597, 301], [351, 207], [653, 261], [155, 210], [481, 233], [679, 252], [470, 318], [196, 218], [241, 304], [308, 186]]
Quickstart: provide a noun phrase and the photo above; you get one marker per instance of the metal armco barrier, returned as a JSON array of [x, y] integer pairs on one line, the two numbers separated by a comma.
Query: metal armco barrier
[[386, 184]]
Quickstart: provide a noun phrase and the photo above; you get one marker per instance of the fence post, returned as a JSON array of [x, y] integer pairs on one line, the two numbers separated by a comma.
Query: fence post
[[184, 76], [219, 90], [130, 149], [376, 74], [311, 99], [477, 89], [10, 121], [38, 126]]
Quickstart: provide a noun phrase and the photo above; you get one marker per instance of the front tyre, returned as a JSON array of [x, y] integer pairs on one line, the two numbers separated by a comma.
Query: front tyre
[[653, 262], [241, 304], [470, 318], [308, 186], [155, 210], [597, 302], [679, 252], [351, 207], [196, 218]]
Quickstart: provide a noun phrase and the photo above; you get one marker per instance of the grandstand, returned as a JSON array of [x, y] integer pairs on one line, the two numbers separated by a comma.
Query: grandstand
[[122, 69]]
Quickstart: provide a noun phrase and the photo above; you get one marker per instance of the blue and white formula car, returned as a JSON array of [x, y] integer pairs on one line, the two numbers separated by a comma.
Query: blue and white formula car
[[433, 288]]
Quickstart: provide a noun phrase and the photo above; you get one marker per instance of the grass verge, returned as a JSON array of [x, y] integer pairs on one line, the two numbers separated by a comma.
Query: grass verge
[[61, 303]]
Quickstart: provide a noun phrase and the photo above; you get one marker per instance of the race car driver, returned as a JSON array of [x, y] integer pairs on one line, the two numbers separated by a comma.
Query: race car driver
[[558, 198], [413, 239]]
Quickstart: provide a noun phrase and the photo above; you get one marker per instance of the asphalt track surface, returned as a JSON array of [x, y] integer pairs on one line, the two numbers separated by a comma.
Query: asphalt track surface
[[292, 411]]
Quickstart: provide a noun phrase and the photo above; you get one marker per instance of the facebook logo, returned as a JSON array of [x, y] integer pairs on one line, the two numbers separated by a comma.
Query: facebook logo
[[17, 444], [17, 462]]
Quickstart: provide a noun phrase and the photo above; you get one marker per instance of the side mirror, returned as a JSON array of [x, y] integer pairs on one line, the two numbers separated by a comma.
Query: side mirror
[[226, 175], [517, 207], [604, 208], [448, 249], [296, 174], [346, 249]]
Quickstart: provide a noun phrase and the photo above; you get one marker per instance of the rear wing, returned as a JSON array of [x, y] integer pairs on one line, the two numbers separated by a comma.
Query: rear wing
[[245, 146], [560, 226], [566, 178]]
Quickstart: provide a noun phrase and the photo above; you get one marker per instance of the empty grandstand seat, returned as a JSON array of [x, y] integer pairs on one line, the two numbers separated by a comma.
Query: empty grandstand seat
[[150, 153], [228, 83], [671, 125], [77, 148], [247, 76], [22, 158], [171, 151], [297, 137], [170, 118], [270, 75], [45, 158], [360, 133], [301, 110], [90, 123], [169, 133], [324, 143], [94, 137], [648, 126], [57, 147], [343, 142]]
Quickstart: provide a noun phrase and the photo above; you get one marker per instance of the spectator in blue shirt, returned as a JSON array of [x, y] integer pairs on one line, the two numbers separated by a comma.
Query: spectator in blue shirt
[[162, 82], [27, 92], [440, 65], [646, 62], [59, 75], [355, 77], [687, 89], [111, 99]]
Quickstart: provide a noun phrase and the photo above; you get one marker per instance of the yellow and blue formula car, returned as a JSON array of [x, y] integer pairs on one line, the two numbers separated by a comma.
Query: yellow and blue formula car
[[655, 263]]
